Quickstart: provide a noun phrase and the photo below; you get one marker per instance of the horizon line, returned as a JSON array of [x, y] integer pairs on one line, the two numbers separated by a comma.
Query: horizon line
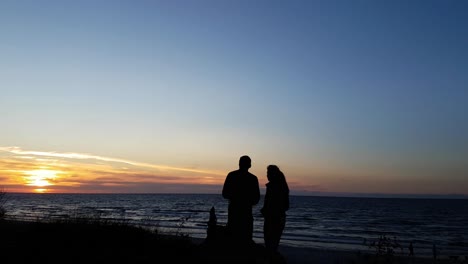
[[337, 195]]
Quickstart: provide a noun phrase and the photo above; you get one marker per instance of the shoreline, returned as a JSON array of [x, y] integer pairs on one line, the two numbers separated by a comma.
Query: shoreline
[[312, 223], [298, 255], [307, 255], [21, 232]]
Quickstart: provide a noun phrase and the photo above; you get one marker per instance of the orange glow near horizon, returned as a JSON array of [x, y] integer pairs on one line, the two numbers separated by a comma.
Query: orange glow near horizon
[[43, 172], [52, 172]]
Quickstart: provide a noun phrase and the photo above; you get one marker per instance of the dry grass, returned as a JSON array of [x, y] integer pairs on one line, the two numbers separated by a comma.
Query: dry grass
[[89, 241]]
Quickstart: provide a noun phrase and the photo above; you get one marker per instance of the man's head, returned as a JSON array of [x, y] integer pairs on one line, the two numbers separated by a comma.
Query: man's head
[[244, 163]]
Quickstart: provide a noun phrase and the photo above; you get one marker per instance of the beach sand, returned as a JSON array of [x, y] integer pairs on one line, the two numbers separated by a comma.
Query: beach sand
[[303, 255], [297, 255]]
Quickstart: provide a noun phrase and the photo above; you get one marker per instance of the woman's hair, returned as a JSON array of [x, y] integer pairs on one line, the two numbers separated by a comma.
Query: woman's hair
[[277, 176]]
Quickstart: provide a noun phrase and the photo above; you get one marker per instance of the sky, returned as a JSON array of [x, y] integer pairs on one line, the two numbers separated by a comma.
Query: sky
[[346, 97]]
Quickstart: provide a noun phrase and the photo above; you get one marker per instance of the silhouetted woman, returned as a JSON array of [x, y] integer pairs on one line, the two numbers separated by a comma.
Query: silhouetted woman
[[275, 205]]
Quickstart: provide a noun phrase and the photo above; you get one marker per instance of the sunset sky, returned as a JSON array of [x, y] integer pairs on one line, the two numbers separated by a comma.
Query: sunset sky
[[346, 97]]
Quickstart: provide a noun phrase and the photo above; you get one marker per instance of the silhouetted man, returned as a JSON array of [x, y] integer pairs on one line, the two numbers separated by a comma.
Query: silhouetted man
[[242, 189]]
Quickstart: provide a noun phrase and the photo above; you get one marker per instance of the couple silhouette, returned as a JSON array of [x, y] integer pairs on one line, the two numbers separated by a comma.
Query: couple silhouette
[[242, 190]]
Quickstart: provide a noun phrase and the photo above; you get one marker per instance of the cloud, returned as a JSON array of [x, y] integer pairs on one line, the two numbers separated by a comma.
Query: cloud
[[81, 156], [74, 172]]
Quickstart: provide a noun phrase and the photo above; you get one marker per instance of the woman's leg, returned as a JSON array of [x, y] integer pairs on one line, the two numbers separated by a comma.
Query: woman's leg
[[272, 231]]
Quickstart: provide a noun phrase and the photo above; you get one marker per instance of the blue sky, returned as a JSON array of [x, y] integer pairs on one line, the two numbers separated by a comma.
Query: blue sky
[[345, 96]]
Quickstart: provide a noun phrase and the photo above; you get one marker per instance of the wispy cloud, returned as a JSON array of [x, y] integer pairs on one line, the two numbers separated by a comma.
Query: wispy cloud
[[79, 172], [81, 156]]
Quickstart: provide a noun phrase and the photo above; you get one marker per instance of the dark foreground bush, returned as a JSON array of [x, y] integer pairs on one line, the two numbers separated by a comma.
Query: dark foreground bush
[[2, 203], [89, 242]]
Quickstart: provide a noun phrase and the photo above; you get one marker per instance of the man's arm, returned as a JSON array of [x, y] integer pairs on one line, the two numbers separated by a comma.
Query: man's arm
[[227, 189]]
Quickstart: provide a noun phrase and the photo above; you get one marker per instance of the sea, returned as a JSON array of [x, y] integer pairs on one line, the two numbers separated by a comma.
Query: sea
[[336, 223]]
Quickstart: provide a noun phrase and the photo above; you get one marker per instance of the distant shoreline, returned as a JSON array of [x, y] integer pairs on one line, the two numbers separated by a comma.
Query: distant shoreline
[[324, 195]]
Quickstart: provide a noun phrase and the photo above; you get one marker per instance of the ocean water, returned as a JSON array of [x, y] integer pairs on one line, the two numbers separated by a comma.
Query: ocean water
[[312, 222]]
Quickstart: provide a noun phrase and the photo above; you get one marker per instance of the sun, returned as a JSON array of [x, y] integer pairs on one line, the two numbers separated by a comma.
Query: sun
[[40, 178]]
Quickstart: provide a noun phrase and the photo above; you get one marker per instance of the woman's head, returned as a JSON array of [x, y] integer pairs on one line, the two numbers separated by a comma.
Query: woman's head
[[273, 173], [276, 176]]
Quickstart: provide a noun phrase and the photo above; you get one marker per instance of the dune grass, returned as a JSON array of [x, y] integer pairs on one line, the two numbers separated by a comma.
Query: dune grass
[[89, 241]]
